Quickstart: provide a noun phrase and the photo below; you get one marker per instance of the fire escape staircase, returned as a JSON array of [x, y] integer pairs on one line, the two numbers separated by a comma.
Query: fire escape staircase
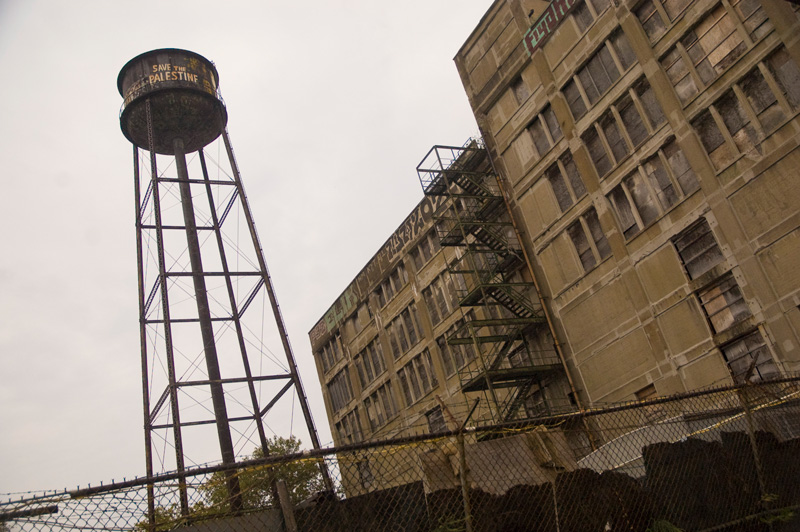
[[476, 222]]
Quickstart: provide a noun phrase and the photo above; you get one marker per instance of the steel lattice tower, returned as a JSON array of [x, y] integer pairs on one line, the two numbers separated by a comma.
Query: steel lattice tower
[[204, 286]]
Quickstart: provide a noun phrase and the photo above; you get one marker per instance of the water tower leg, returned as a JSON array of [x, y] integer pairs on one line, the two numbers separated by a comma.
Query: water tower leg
[[206, 327]]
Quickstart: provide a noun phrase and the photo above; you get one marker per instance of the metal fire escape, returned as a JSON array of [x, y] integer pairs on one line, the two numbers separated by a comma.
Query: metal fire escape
[[503, 318]]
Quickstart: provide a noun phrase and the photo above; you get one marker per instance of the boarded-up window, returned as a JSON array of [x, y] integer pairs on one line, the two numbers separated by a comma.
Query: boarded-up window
[[651, 19], [586, 12], [749, 359], [597, 151], [724, 304], [520, 89], [623, 48], [787, 74], [436, 421], [736, 121], [698, 249]]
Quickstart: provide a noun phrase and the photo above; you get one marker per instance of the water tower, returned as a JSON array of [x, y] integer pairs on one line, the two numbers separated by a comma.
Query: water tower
[[205, 293]]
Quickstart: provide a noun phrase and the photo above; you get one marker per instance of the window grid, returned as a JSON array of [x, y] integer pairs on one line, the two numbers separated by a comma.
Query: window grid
[[588, 240], [625, 126], [404, 331], [455, 357], [349, 428], [418, 377], [380, 406], [750, 110], [714, 44], [331, 352], [566, 182], [370, 362], [440, 298], [654, 187], [598, 74], [340, 391]]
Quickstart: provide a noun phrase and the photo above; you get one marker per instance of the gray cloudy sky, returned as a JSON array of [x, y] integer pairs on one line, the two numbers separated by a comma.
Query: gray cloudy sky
[[331, 103]]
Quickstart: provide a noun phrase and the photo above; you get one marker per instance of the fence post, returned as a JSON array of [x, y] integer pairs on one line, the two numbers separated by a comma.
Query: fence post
[[462, 474], [287, 509], [751, 435]]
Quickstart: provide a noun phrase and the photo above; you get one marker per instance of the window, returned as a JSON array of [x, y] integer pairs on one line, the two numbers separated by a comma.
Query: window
[[545, 131], [418, 377], [339, 390], [349, 428], [440, 298], [331, 352], [586, 12], [404, 331], [589, 241], [436, 421], [455, 357], [426, 249], [390, 286], [749, 359], [365, 475], [766, 93], [624, 127], [380, 406], [593, 79], [535, 404], [698, 249], [724, 304], [711, 47], [370, 363], [652, 189], [565, 181], [520, 89]]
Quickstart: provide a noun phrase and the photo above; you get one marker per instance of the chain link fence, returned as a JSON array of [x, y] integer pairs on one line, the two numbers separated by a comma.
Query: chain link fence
[[722, 459]]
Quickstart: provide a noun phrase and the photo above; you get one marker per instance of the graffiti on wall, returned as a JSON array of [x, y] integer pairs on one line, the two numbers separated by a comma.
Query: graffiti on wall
[[546, 24], [377, 268]]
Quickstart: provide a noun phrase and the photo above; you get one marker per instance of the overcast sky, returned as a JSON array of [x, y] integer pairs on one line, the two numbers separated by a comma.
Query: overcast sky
[[332, 104]]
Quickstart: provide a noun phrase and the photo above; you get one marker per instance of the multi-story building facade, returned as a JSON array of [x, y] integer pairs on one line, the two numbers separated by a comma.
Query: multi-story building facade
[[630, 229], [648, 149]]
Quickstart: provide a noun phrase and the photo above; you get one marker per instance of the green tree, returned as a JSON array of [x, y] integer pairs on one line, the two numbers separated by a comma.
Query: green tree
[[302, 478]]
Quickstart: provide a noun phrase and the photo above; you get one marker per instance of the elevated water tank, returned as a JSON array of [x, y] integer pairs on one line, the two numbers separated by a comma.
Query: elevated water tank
[[182, 89]]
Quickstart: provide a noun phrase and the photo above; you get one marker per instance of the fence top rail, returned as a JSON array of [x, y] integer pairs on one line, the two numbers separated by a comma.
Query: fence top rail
[[319, 454]]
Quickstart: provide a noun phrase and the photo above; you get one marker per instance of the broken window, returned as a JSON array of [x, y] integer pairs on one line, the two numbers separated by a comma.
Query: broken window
[[574, 99], [425, 250], [651, 19], [544, 131], [436, 421], [749, 359], [380, 406], [349, 428], [623, 128], [565, 181], [404, 331], [456, 356], [520, 89], [365, 475], [586, 12], [588, 239], [370, 362], [331, 352], [713, 45], [787, 75], [418, 377], [654, 187], [440, 298], [724, 303], [698, 249], [339, 390]]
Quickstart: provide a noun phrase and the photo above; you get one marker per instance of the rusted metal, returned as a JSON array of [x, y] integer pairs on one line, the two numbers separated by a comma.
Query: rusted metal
[[181, 87]]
